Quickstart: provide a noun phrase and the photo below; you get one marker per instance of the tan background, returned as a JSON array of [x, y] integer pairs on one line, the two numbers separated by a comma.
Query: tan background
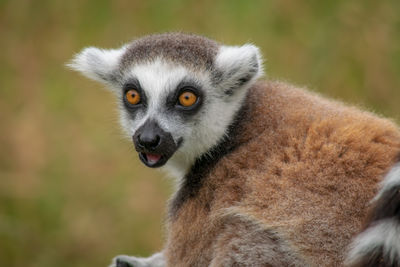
[[72, 192]]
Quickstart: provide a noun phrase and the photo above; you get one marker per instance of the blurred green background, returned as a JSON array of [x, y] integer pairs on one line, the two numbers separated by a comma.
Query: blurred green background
[[72, 192]]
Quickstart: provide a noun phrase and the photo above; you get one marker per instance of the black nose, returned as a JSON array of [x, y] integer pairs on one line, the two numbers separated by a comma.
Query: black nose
[[154, 145], [149, 137], [149, 140]]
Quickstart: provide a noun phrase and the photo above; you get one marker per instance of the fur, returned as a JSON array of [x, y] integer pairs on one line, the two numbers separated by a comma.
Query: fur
[[379, 243], [99, 64], [311, 180], [190, 50], [224, 73], [269, 174]]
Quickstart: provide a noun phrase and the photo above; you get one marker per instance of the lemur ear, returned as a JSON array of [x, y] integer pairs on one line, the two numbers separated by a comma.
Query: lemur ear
[[98, 64], [238, 66]]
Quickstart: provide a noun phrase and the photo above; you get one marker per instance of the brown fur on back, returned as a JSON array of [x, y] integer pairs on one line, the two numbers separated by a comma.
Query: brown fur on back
[[303, 175]]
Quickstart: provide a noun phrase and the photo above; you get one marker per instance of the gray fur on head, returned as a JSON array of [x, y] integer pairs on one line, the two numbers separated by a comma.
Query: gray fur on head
[[187, 49], [163, 62]]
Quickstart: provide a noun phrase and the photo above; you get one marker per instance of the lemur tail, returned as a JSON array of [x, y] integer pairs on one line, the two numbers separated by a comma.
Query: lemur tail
[[379, 244]]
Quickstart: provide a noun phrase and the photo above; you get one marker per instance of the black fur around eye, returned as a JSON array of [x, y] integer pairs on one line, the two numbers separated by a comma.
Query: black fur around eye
[[133, 95], [188, 99]]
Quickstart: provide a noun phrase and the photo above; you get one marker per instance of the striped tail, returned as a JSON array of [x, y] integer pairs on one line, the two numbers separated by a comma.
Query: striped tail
[[379, 244]]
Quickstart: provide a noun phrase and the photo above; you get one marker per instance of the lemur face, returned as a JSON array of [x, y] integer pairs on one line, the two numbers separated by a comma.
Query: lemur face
[[178, 93], [162, 107]]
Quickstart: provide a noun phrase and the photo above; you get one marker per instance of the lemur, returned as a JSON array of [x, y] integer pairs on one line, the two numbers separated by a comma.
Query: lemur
[[268, 174]]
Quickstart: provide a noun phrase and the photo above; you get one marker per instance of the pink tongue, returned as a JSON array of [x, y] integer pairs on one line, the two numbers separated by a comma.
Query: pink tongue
[[152, 158]]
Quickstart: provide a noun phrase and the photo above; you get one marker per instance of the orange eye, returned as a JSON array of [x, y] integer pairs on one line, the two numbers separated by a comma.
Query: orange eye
[[133, 96], [187, 99]]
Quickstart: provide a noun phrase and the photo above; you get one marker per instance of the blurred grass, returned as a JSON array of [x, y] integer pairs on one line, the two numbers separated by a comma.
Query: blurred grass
[[72, 192]]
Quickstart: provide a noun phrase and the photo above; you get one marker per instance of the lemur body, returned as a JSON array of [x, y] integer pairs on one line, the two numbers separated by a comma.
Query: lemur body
[[268, 174]]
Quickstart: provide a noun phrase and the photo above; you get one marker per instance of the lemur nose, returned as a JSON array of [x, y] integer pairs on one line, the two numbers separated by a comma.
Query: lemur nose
[[149, 141], [151, 138]]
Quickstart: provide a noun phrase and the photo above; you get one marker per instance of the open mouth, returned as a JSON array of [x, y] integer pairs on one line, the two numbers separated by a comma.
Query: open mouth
[[154, 145], [152, 160]]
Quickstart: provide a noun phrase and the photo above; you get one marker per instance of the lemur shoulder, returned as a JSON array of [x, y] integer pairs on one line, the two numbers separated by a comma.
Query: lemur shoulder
[[269, 174]]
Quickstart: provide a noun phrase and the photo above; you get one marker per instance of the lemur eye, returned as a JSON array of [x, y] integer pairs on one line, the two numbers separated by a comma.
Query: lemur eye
[[132, 96], [187, 99]]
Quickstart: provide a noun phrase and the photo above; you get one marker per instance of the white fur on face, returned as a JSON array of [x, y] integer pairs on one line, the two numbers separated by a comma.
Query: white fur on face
[[202, 131], [157, 80], [237, 68]]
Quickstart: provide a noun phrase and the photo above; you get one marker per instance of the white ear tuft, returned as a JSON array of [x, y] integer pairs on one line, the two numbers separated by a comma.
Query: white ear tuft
[[239, 65], [98, 64]]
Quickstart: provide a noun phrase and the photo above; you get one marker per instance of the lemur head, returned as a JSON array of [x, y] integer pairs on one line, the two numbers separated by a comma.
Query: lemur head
[[178, 92]]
